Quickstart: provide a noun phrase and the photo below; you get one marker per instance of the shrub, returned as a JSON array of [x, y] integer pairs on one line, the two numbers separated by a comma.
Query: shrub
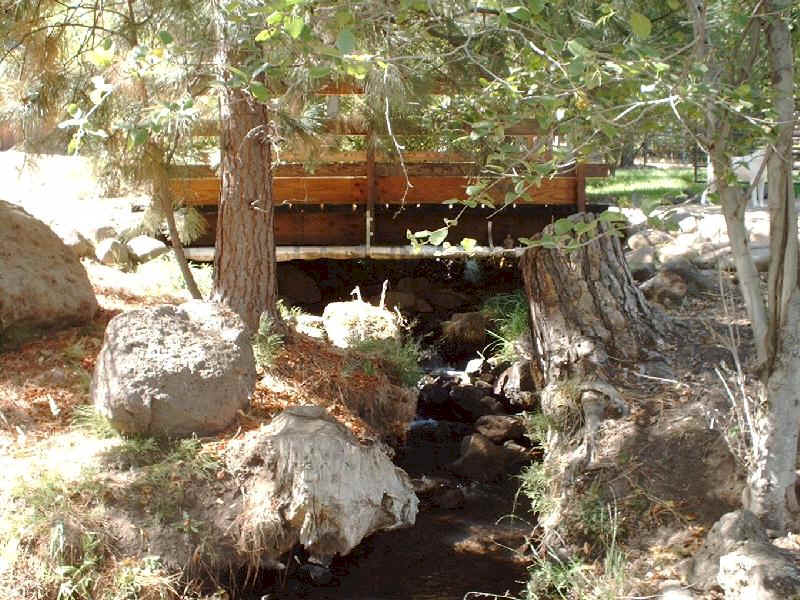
[[267, 343]]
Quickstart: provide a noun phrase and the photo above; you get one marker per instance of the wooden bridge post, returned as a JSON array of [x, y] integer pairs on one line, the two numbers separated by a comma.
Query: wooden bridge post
[[580, 189], [372, 190]]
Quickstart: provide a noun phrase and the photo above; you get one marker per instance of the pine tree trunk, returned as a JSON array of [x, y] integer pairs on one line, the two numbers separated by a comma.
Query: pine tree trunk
[[244, 263], [585, 308]]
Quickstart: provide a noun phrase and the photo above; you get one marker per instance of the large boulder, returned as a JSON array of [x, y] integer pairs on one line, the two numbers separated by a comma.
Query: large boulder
[[480, 459], [174, 370], [348, 323], [758, 571], [732, 529], [464, 333], [42, 282], [144, 248], [307, 480]]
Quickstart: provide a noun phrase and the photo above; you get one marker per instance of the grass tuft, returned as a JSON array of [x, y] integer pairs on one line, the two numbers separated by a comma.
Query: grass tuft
[[398, 358], [509, 313]]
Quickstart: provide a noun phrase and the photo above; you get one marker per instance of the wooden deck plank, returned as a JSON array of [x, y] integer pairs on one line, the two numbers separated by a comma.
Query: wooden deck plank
[[391, 190]]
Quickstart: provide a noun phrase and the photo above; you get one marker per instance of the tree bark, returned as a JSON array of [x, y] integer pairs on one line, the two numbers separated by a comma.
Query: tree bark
[[585, 308], [244, 262], [771, 484]]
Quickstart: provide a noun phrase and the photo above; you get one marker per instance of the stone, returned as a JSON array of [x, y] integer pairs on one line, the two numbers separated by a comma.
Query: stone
[[731, 529], [348, 323], [296, 286], [470, 402], [686, 223], [758, 571], [172, 371], [465, 333], [113, 252], [423, 306], [103, 233], [308, 481], [445, 299], [81, 246], [406, 284], [501, 428], [685, 245], [143, 248], [649, 238], [42, 282], [474, 366], [401, 300], [480, 459], [665, 288], [516, 383], [516, 456], [642, 263]]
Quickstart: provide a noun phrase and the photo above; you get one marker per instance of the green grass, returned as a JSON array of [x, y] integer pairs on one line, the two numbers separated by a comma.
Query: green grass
[[509, 314], [398, 358], [663, 184]]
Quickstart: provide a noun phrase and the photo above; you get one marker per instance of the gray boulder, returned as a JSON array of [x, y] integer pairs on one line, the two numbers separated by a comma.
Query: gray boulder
[[42, 282], [731, 529], [308, 481], [144, 248], [174, 370], [113, 252], [758, 571]]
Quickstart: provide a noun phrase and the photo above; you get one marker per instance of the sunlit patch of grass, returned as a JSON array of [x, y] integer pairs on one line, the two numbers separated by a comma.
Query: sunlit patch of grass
[[665, 184], [163, 276]]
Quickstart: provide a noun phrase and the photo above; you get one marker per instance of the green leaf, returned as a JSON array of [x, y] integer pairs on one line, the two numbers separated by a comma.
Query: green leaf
[[259, 90], [536, 6], [319, 71], [673, 4], [264, 35], [295, 27], [474, 190], [165, 37], [640, 25], [239, 73], [576, 67], [275, 17], [139, 136], [73, 110], [563, 226], [469, 244], [577, 48], [422, 234], [346, 41], [438, 236]]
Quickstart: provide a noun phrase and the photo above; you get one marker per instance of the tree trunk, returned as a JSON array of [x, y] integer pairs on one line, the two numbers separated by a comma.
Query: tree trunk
[[163, 196], [585, 308], [244, 263], [771, 484]]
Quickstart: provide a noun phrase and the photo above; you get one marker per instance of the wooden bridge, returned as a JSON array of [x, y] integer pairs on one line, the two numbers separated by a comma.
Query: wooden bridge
[[354, 206]]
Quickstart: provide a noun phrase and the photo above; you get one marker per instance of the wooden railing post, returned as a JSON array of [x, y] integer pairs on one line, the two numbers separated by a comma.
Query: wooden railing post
[[580, 186], [372, 190]]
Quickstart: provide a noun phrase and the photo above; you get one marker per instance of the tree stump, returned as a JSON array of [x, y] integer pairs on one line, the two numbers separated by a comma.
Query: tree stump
[[585, 307]]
